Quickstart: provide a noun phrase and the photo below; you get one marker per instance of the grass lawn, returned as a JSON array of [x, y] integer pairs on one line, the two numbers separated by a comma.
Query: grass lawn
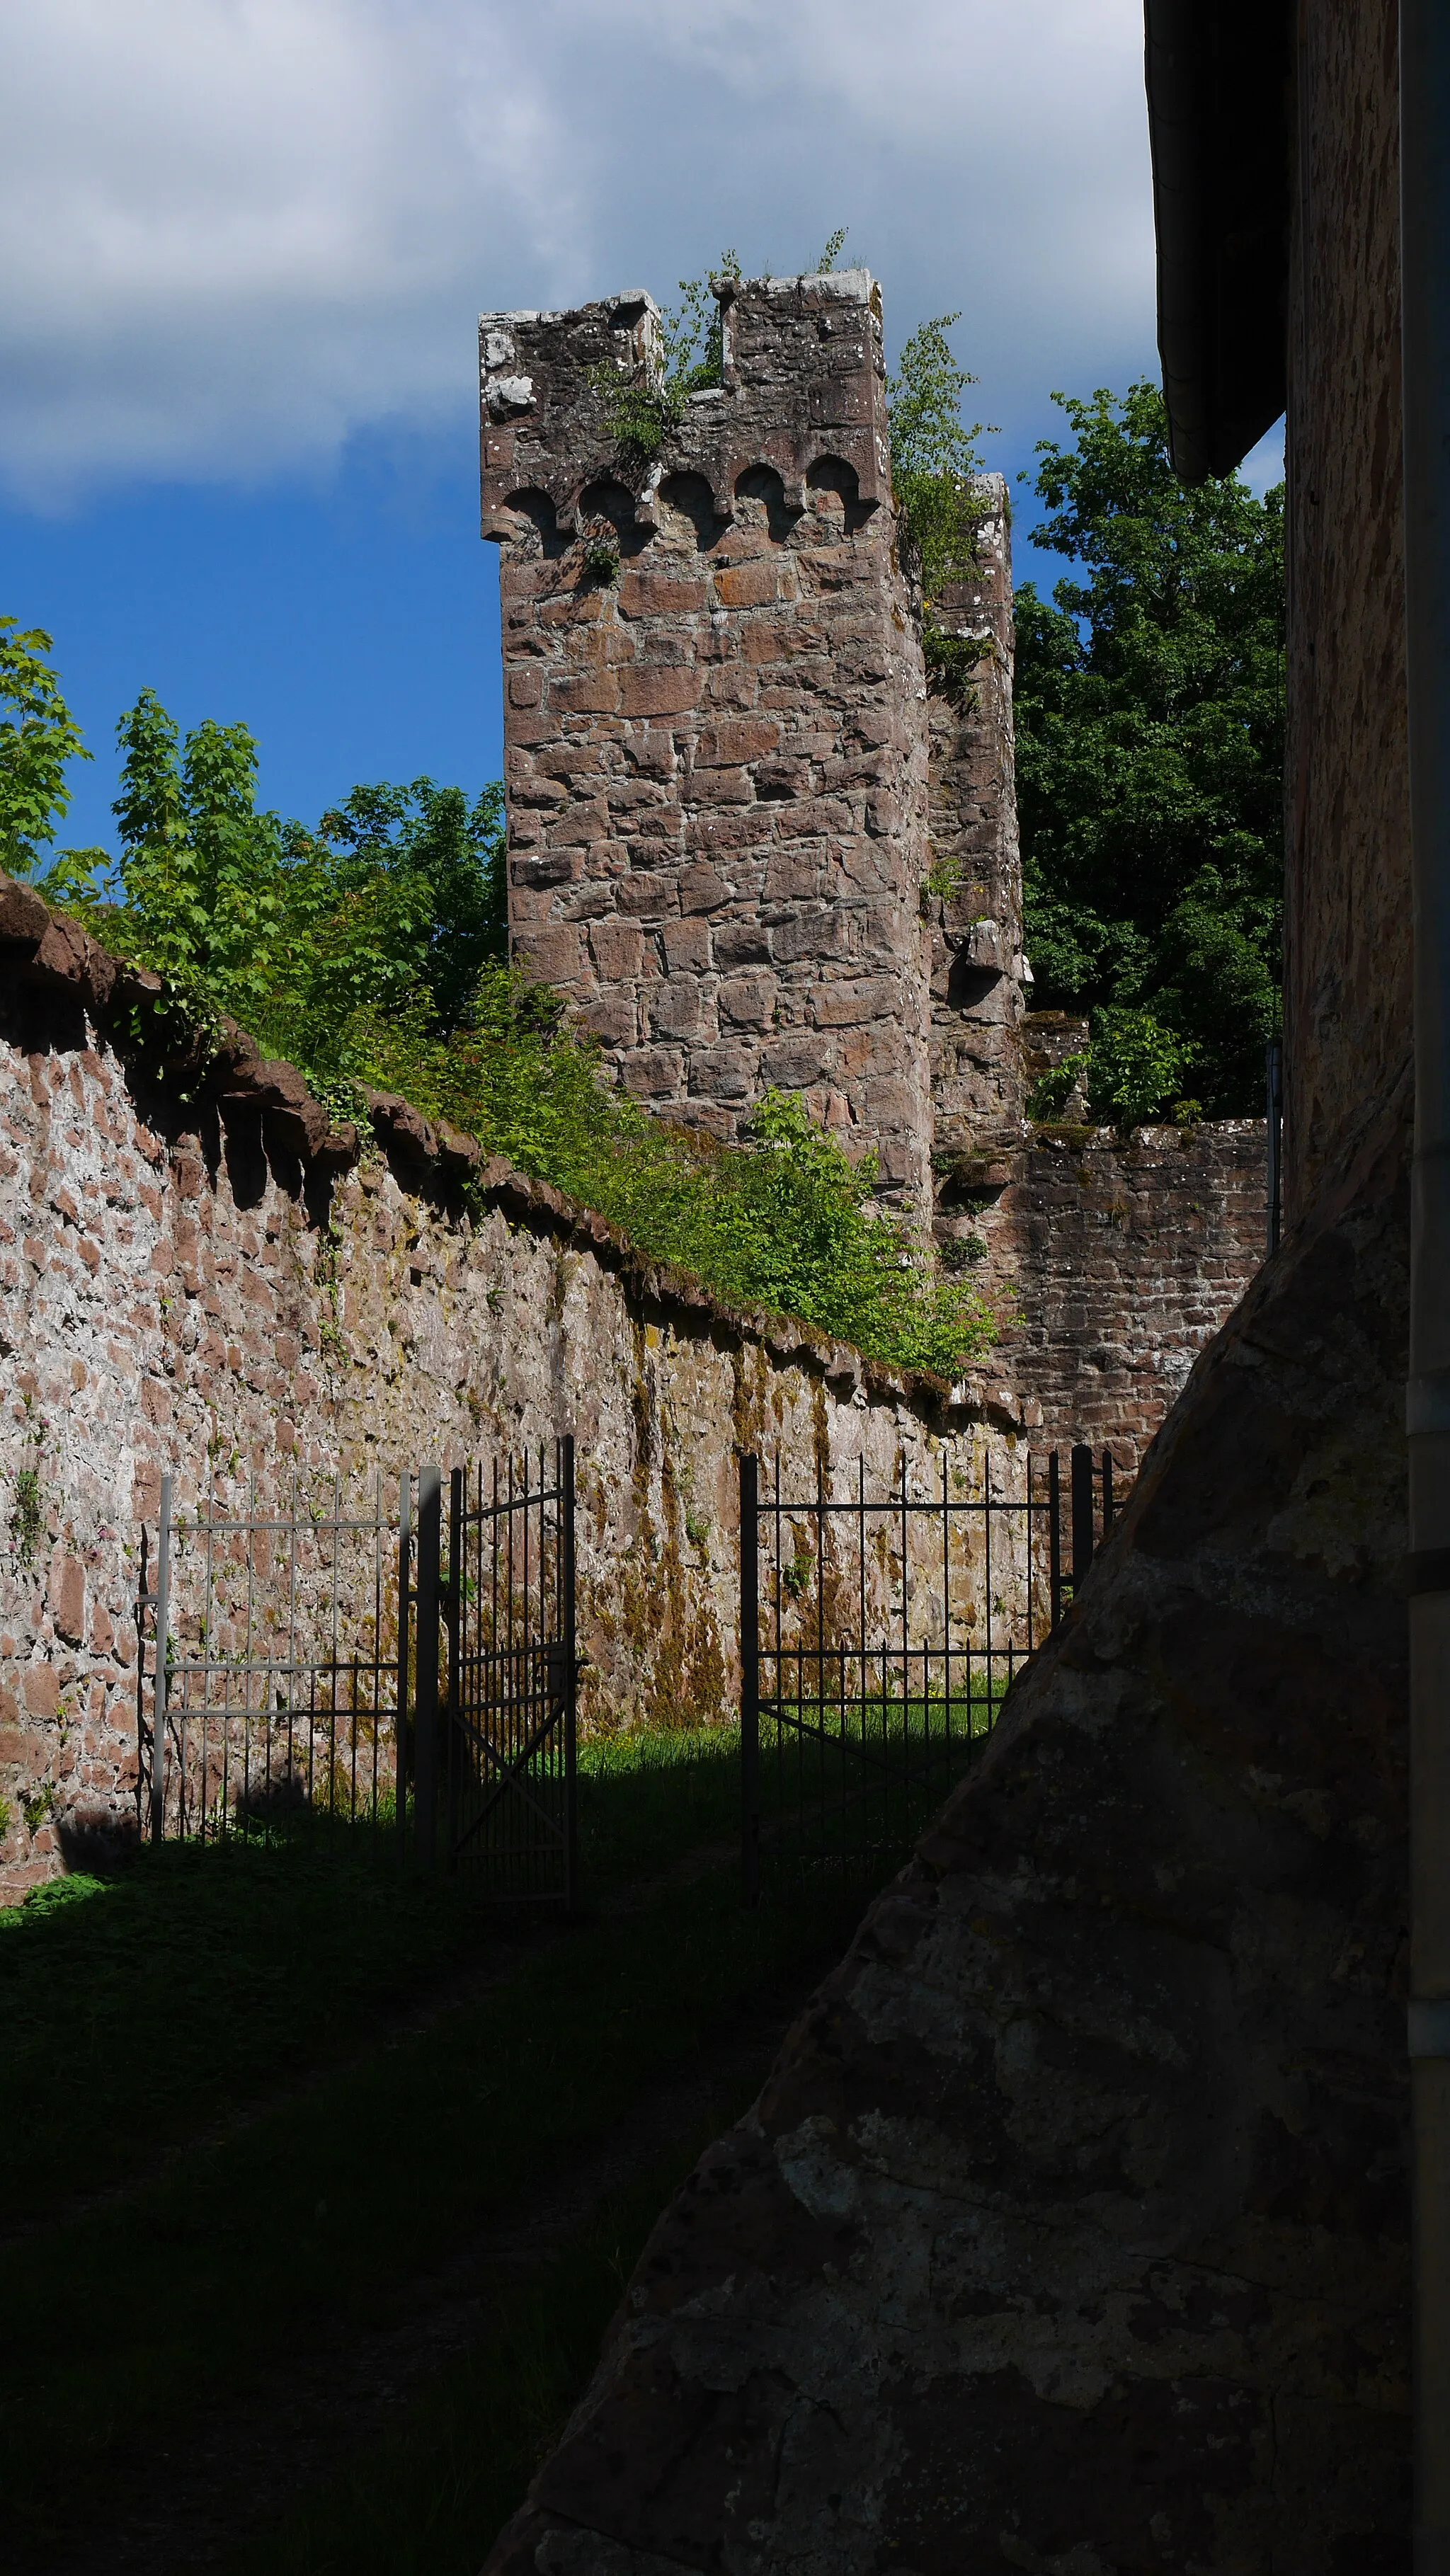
[[294, 2082]]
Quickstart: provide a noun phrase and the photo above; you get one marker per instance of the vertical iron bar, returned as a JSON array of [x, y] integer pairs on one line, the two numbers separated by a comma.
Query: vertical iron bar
[[1107, 1495], [454, 1787], [207, 1649], [1082, 1514], [143, 1603], [1054, 1537], [946, 1603], [988, 1604], [159, 1685], [571, 1678], [405, 1579], [1274, 1073], [750, 1677], [1031, 1594], [425, 1665]]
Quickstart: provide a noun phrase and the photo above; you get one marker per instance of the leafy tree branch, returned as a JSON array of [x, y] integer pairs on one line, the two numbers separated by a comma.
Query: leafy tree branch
[[1150, 733]]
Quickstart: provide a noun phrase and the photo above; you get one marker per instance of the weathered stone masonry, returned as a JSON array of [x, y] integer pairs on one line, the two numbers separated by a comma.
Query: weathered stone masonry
[[752, 846], [717, 796], [205, 1275]]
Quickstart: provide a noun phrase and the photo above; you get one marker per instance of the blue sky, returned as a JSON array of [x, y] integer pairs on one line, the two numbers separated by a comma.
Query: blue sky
[[237, 445]]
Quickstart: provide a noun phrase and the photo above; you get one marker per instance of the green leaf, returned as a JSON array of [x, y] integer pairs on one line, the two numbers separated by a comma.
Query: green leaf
[[39, 738]]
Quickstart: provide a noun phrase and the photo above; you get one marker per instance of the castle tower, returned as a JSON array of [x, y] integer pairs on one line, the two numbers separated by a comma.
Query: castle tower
[[715, 730]]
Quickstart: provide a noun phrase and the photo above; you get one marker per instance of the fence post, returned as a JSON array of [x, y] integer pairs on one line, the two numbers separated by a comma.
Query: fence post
[[750, 1677], [1082, 1513], [571, 1677], [405, 1607], [452, 1790], [425, 1665], [1274, 1088], [1054, 1536], [161, 1676]]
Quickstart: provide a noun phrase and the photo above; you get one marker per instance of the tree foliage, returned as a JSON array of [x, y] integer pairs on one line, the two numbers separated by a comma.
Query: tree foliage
[[1150, 728], [396, 900], [934, 457], [39, 737]]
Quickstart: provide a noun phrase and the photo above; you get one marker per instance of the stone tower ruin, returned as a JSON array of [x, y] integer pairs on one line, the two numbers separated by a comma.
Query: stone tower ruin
[[754, 839], [716, 744]]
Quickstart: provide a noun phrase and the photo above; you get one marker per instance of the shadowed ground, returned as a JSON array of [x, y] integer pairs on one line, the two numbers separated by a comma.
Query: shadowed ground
[[1069, 2233]]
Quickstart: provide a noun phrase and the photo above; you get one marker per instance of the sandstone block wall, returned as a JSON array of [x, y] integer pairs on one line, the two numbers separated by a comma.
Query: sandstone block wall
[[1118, 1258], [217, 1284], [715, 759], [1347, 954]]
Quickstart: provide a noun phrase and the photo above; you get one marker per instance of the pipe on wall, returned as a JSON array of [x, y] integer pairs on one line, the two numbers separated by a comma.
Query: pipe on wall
[[1425, 217]]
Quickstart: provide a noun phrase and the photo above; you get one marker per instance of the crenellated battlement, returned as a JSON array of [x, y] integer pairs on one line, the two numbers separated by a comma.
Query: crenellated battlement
[[804, 390]]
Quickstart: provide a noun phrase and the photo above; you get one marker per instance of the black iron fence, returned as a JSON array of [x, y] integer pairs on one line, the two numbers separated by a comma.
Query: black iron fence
[[312, 1660], [271, 1665], [879, 1633], [404, 1662], [509, 1748]]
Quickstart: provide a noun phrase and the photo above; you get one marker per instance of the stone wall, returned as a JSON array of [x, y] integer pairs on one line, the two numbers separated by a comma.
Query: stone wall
[[198, 1274], [715, 764], [1347, 928], [1117, 1258]]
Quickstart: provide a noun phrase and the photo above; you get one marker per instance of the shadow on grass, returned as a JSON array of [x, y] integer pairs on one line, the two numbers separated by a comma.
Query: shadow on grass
[[429, 2498], [139, 2006], [141, 2010]]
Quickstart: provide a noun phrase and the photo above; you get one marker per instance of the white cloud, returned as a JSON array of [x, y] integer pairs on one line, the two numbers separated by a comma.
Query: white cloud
[[234, 231]]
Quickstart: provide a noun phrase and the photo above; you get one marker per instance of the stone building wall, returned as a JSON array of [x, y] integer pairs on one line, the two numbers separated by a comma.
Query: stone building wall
[[715, 764], [1347, 957], [1119, 1258], [210, 1280]]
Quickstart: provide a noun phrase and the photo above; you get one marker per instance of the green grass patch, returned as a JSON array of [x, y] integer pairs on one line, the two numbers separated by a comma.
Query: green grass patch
[[193, 1982]]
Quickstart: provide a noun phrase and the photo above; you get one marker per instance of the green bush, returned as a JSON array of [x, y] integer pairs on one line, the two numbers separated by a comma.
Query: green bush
[[781, 1222], [1135, 1067], [934, 465], [1052, 1091]]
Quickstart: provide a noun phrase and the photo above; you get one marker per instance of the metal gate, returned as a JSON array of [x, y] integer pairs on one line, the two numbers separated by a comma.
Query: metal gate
[[312, 1660], [878, 1635], [508, 1787], [270, 1662]]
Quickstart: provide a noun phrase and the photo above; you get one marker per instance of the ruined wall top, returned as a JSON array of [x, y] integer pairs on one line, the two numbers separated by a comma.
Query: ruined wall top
[[804, 381]]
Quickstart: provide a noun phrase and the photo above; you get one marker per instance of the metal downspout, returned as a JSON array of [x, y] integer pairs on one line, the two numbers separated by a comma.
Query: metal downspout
[[1425, 207]]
